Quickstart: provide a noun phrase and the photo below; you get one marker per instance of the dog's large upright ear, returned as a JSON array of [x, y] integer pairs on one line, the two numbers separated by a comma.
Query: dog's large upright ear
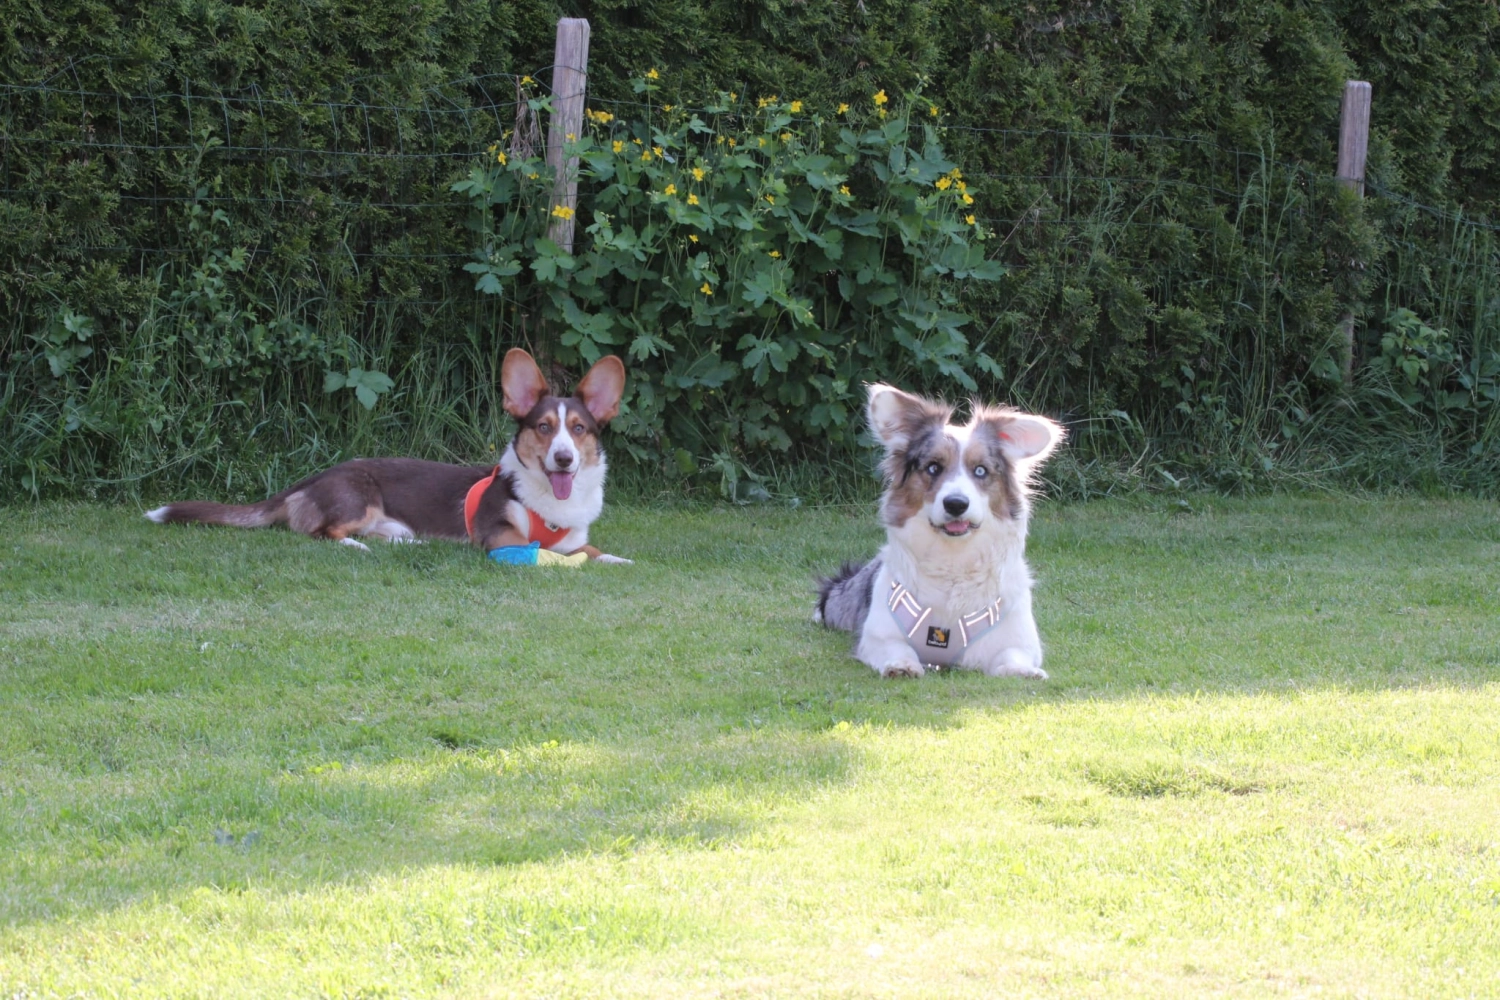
[[522, 383], [1022, 437], [896, 416], [602, 388]]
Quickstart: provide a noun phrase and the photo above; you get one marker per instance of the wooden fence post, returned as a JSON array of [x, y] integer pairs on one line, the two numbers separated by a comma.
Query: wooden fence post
[[1354, 134], [1354, 143], [570, 63]]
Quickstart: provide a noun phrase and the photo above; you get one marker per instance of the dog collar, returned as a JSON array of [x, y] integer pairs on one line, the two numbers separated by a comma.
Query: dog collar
[[541, 531], [911, 617]]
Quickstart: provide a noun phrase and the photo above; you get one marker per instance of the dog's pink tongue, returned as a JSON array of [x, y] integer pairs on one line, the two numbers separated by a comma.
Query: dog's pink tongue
[[956, 527], [562, 484]]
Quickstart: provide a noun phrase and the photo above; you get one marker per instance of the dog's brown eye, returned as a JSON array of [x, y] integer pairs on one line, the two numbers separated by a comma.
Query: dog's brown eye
[[933, 468], [980, 472]]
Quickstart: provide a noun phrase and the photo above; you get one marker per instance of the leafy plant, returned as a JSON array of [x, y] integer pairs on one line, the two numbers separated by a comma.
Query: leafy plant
[[1429, 372], [65, 342], [755, 263], [367, 386]]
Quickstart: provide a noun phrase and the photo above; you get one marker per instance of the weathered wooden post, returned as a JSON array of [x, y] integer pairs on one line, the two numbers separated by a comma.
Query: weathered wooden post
[[570, 76], [1354, 143], [1354, 134]]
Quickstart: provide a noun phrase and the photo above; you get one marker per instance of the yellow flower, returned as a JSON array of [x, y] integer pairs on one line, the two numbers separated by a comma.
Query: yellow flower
[[771, 198], [707, 289], [844, 190], [956, 174], [933, 110], [562, 212], [943, 183], [493, 145], [636, 141], [970, 220], [843, 109], [880, 98], [617, 146], [775, 253], [533, 176], [526, 80], [961, 185], [645, 155], [733, 96], [569, 137], [598, 117], [698, 173], [786, 137], [968, 199], [670, 190], [668, 108], [719, 140], [693, 237], [733, 143], [880, 112], [796, 107], [692, 199], [656, 150], [652, 74], [762, 140], [501, 158]]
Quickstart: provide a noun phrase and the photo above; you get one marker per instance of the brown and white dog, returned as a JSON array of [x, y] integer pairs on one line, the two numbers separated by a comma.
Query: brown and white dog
[[549, 486], [951, 587]]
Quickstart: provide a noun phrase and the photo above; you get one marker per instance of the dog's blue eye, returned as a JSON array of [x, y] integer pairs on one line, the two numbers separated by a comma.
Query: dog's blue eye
[[544, 428], [980, 472], [933, 468]]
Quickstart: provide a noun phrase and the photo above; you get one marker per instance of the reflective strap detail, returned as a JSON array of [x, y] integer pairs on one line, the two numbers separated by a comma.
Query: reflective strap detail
[[971, 627], [905, 609], [911, 616]]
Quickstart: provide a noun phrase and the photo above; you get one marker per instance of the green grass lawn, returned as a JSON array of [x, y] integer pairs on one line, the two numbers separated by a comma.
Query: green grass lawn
[[250, 764]]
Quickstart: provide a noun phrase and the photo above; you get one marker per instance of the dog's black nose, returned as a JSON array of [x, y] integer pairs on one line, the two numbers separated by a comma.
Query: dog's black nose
[[955, 505], [563, 459]]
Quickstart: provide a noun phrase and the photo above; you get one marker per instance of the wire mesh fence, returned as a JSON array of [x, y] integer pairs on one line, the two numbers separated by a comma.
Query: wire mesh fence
[[318, 189], [322, 231]]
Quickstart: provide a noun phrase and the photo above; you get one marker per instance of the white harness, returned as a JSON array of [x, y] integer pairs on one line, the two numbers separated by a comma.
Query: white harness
[[934, 643]]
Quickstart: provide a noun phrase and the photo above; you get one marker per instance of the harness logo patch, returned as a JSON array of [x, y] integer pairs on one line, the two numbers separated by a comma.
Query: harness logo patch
[[938, 637]]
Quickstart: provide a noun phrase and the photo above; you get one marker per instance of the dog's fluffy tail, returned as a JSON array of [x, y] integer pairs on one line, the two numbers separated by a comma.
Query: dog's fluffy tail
[[844, 598], [249, 515]]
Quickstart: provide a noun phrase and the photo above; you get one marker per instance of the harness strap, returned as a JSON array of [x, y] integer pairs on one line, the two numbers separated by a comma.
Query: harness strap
[[549, 535], [911, 616], [472, 498]]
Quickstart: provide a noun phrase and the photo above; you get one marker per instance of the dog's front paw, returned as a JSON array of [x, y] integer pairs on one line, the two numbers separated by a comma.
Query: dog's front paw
[[897, 669], [605, 557], [1016, 662]]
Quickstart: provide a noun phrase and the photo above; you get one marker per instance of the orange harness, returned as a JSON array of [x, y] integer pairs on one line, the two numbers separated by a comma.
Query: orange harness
[[541, 531]]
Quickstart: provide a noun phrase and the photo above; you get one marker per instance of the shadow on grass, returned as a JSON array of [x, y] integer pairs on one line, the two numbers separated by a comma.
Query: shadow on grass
[[187, 708]]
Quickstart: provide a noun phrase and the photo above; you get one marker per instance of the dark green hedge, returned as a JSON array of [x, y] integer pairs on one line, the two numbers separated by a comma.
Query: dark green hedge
[[205, 208]]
